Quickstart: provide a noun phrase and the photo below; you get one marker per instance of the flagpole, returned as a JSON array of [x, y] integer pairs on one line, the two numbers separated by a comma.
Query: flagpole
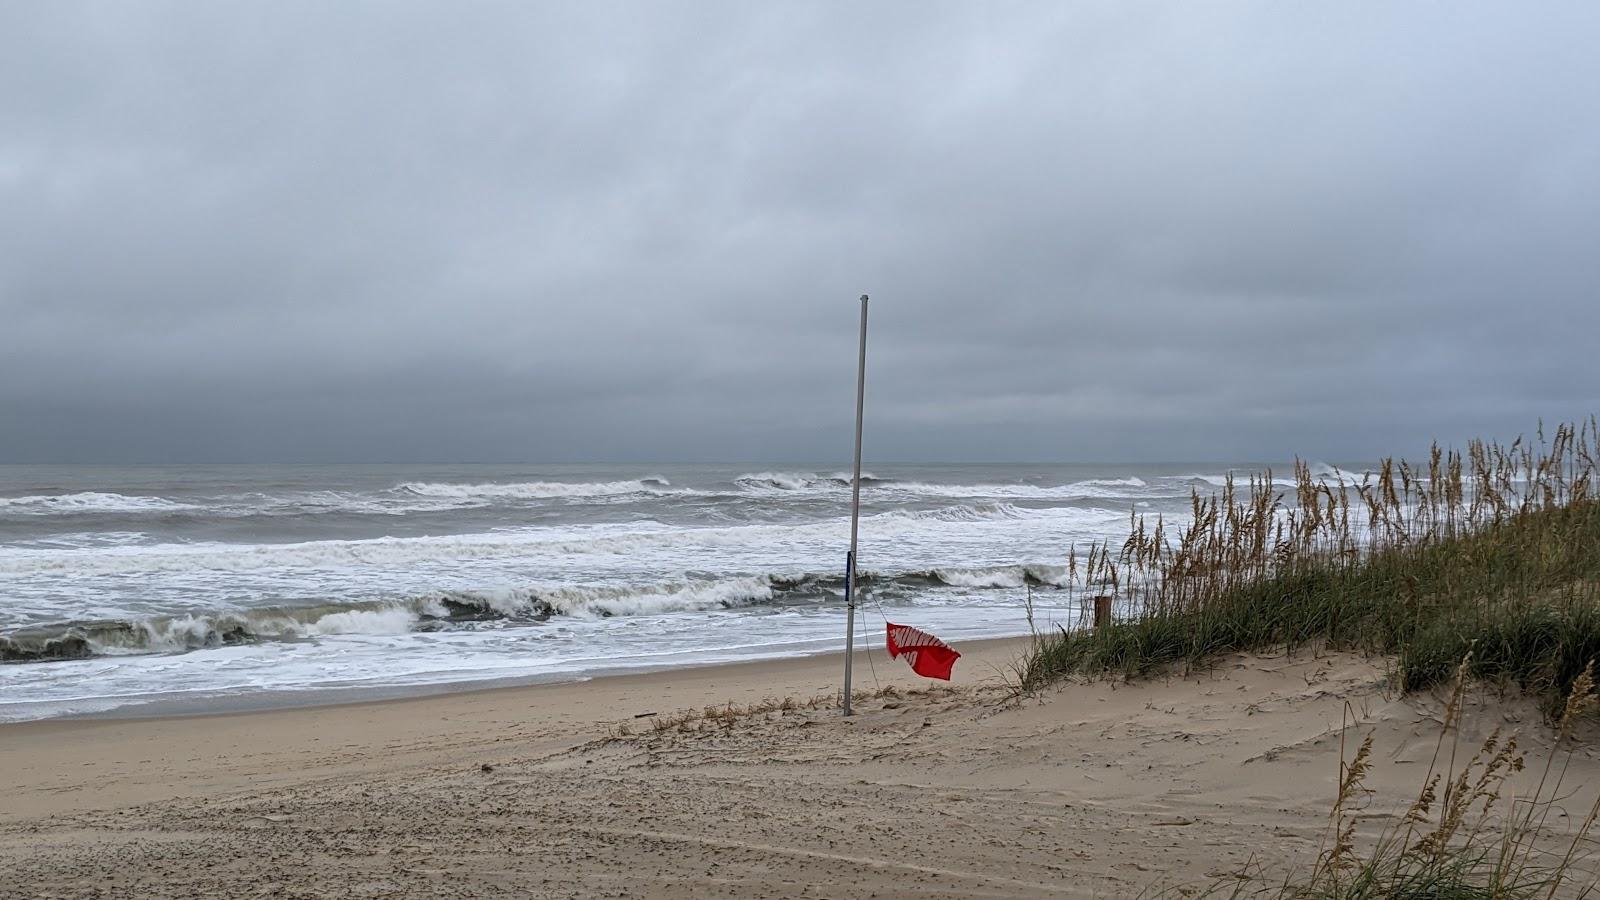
[[855, 513]]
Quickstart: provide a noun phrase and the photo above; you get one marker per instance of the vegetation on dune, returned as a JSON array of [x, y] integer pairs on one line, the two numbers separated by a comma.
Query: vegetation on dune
[[1467, 834], [1495, 551], [1483, 565]]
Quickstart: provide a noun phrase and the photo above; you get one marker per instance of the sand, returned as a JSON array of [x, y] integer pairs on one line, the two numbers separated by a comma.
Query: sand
[[1092, 790]]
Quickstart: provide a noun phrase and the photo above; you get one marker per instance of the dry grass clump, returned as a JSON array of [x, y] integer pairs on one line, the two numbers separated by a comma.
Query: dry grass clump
[[1496, 549], [727, 716], [1475, 840]]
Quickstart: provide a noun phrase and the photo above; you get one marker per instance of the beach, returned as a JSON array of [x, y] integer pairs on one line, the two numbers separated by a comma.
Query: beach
[[455, 451], [165, 589], [570, 790]]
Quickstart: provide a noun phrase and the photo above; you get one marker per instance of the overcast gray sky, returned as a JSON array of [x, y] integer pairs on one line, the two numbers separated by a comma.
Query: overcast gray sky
[[537, 231]]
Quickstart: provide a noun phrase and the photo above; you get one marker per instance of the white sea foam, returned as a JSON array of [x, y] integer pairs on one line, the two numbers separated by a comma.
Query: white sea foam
[[1003, 576], [387, 620], [1094, 489], [1132, 481], [238, 505], [979, 512], [88, 502], [1241, 480], [616, 601], [1009, 576], [198, 630], [766, 482], [1333, 474], [388, 503], [792, 482], [787, 481], [77, 540], [533, 490], [439, 614], [399, 553]]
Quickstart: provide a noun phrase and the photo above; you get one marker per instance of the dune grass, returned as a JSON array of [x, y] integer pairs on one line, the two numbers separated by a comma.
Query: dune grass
[[1496, 551], [1467, 833], [1477, 566]]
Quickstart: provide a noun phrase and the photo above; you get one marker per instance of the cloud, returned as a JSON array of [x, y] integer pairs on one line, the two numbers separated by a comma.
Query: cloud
[[510, 231]]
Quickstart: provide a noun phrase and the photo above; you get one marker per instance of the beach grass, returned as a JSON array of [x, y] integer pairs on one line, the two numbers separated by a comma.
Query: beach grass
[[1494, 552], [1476, 566], [727, 716], [1466, 834]]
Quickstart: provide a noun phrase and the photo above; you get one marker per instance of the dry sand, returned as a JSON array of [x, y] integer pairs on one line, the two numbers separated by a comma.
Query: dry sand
[[1093, 790]]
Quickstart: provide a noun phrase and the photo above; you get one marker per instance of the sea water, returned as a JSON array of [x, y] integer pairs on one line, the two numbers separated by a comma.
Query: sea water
[[133, 589]]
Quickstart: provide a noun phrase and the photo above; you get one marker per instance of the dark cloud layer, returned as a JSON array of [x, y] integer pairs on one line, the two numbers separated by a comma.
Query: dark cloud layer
[[516, 231]]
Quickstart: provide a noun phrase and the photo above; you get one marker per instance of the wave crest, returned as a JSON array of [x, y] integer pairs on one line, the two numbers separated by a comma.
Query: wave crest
[[456, 610], [89, 502], [533, 490], [801, 481]]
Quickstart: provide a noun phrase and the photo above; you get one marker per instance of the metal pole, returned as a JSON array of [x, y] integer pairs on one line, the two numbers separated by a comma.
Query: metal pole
[[855, 513]]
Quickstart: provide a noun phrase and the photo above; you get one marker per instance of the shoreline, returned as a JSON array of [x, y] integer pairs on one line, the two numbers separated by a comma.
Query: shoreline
[[43, 756], [179, 705]]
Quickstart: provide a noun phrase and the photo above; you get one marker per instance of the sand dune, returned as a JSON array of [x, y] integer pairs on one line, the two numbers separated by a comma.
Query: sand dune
[[1093, 790]]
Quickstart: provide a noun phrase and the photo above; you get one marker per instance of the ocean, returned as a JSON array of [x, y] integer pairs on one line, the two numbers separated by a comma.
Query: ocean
[[157, 589]]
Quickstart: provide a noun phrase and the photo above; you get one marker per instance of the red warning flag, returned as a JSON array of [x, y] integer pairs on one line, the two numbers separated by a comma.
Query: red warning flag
[[928, 656]]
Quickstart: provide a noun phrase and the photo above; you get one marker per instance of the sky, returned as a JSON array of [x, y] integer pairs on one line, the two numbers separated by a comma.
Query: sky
[[393, 231]]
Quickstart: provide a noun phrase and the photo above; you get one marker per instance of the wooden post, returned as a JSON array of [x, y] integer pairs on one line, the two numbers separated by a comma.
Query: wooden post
[[1102, 611]]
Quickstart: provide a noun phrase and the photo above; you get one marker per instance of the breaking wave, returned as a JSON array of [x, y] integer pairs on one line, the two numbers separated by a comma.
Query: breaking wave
[[459, 610], [402, 552], [1330, 473], [782, 482], [88, 502], [1241, 479], [533, 490], [1132, 481], [441, 496], [800, 481], [979, 512], [1093, 489], [1004, 576]]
